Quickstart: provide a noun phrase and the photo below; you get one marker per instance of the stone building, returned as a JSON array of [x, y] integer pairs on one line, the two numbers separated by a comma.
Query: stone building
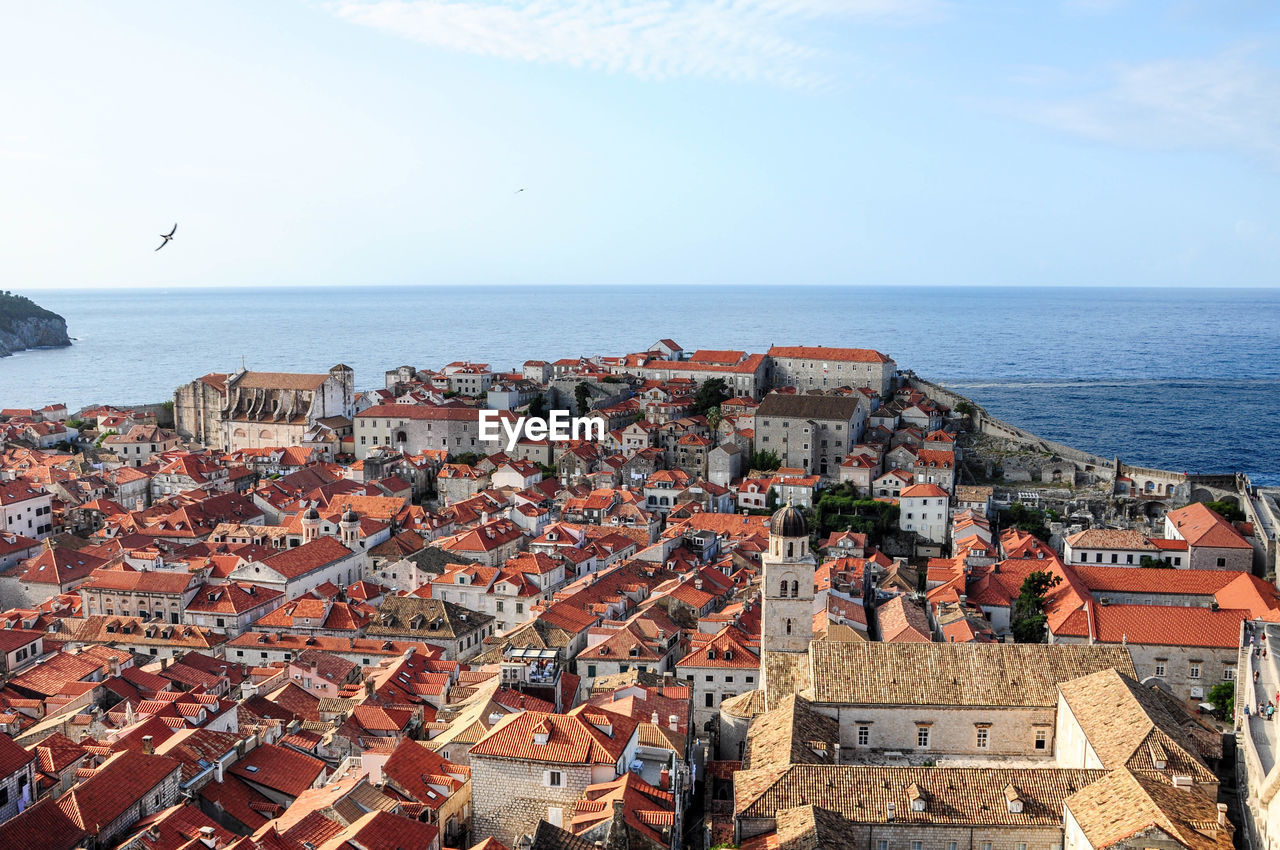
[[724, 464], [810, 432], [812, 367], [927, 702], [533, 766], [415, 428], [1213, 542], [788, 570], [249, 410], [459, 631]]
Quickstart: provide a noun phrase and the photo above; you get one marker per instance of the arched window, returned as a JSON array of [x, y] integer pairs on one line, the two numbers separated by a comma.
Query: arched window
[[790, 549], [795, 589], [782, 591], [788, 625], [402, 437]]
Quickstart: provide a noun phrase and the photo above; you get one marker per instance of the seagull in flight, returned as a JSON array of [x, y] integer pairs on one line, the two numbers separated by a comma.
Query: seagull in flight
[[167, 236], [517, 191]]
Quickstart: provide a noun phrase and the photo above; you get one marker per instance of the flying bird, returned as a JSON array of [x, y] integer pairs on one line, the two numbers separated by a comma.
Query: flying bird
[[517, 191], [167, 236]]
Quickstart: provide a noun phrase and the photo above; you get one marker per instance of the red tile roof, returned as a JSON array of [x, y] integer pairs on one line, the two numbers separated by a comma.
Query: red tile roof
[[570, 738], [1200, 526], [118, 783], [848, 355], [279, 768]]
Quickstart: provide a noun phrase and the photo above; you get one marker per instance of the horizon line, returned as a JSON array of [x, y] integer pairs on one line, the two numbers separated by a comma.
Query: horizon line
[[198, 286]]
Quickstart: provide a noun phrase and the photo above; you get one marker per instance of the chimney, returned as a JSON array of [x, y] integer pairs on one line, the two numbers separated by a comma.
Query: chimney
[[148, 745], [217, 771], [673, 722], [889, 813], [835, 753], [206, 837], [654, 719], [1182, 782], [114, 663], [1222, 815]]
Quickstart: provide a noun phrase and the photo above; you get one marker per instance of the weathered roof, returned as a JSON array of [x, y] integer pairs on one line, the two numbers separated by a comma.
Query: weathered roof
[[1002, 674], [959, 795]]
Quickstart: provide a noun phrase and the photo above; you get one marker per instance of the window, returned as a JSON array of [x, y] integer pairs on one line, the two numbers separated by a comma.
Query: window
[[499, 606], [951, 845], [917, 845], [1128, 559], [922, 737], [1195, 670], [591, 671], [882, 845], [1160, 666], [1222, 562], [1115, 559], [1042, 739], [555, 778], [983, 737], [788, 625], [1228, 673], [711, 700], [864, 735], [1022, 846], [986, 845]]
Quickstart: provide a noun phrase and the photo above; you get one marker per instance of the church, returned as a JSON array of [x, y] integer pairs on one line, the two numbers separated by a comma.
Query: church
[[909, 703], [251, 410]]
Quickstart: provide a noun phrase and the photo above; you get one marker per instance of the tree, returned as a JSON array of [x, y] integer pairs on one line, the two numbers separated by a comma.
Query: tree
[[582, 395], [538, 407], [764, 461], [466, 458], [964, 408], [1222, 697], [1028, 619], [771, 499], [1027, 519], [711, 393], [1228, 511], [714, 416]]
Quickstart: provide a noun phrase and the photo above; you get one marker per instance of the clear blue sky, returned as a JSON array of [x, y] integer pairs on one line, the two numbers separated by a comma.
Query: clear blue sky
[[901, 142]]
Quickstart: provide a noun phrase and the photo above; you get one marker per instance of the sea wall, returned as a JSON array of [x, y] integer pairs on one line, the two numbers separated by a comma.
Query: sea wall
[[984, 423]]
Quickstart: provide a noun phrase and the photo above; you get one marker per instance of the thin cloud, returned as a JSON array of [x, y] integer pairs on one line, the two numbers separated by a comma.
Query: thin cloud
[[739, 40], [1231, 102]]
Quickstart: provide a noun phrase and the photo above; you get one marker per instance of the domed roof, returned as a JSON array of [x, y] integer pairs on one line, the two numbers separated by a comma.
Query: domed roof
[[311, 513], [788, 522], [350, 516]]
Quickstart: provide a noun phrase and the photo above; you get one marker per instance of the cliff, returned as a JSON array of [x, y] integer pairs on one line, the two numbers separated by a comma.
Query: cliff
[[25, 324]]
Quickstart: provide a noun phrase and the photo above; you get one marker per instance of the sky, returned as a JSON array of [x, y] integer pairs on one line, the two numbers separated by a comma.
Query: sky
[[727, 142]]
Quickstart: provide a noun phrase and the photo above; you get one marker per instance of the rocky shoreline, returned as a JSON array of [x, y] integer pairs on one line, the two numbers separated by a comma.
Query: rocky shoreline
[[25, 325]]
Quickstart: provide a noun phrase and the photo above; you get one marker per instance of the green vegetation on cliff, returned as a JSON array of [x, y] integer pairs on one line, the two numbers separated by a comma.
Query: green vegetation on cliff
[[16, 308]]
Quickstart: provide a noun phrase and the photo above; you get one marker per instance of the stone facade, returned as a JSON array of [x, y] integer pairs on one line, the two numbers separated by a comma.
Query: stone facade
[[809, 432], [512, 795], [808, 368]]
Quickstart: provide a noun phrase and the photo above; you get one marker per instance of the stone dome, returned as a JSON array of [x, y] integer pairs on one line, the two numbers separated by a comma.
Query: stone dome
[[311, 513], [350, 516], [788, 522]]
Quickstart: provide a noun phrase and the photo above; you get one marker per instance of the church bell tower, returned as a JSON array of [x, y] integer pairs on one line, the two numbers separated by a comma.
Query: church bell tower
[[789, 572]]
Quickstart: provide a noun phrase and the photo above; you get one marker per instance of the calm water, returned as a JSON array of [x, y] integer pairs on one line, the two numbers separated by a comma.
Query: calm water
[[1179, 379]]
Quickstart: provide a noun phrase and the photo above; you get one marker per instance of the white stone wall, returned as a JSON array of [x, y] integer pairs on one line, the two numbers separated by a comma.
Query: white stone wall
[[510, 796], [952, 731]]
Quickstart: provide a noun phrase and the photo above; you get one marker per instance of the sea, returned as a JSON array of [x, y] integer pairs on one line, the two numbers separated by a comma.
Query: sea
[[1179, 379]]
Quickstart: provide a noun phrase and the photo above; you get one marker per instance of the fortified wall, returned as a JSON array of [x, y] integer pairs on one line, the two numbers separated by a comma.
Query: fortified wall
[[1094, 467]]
